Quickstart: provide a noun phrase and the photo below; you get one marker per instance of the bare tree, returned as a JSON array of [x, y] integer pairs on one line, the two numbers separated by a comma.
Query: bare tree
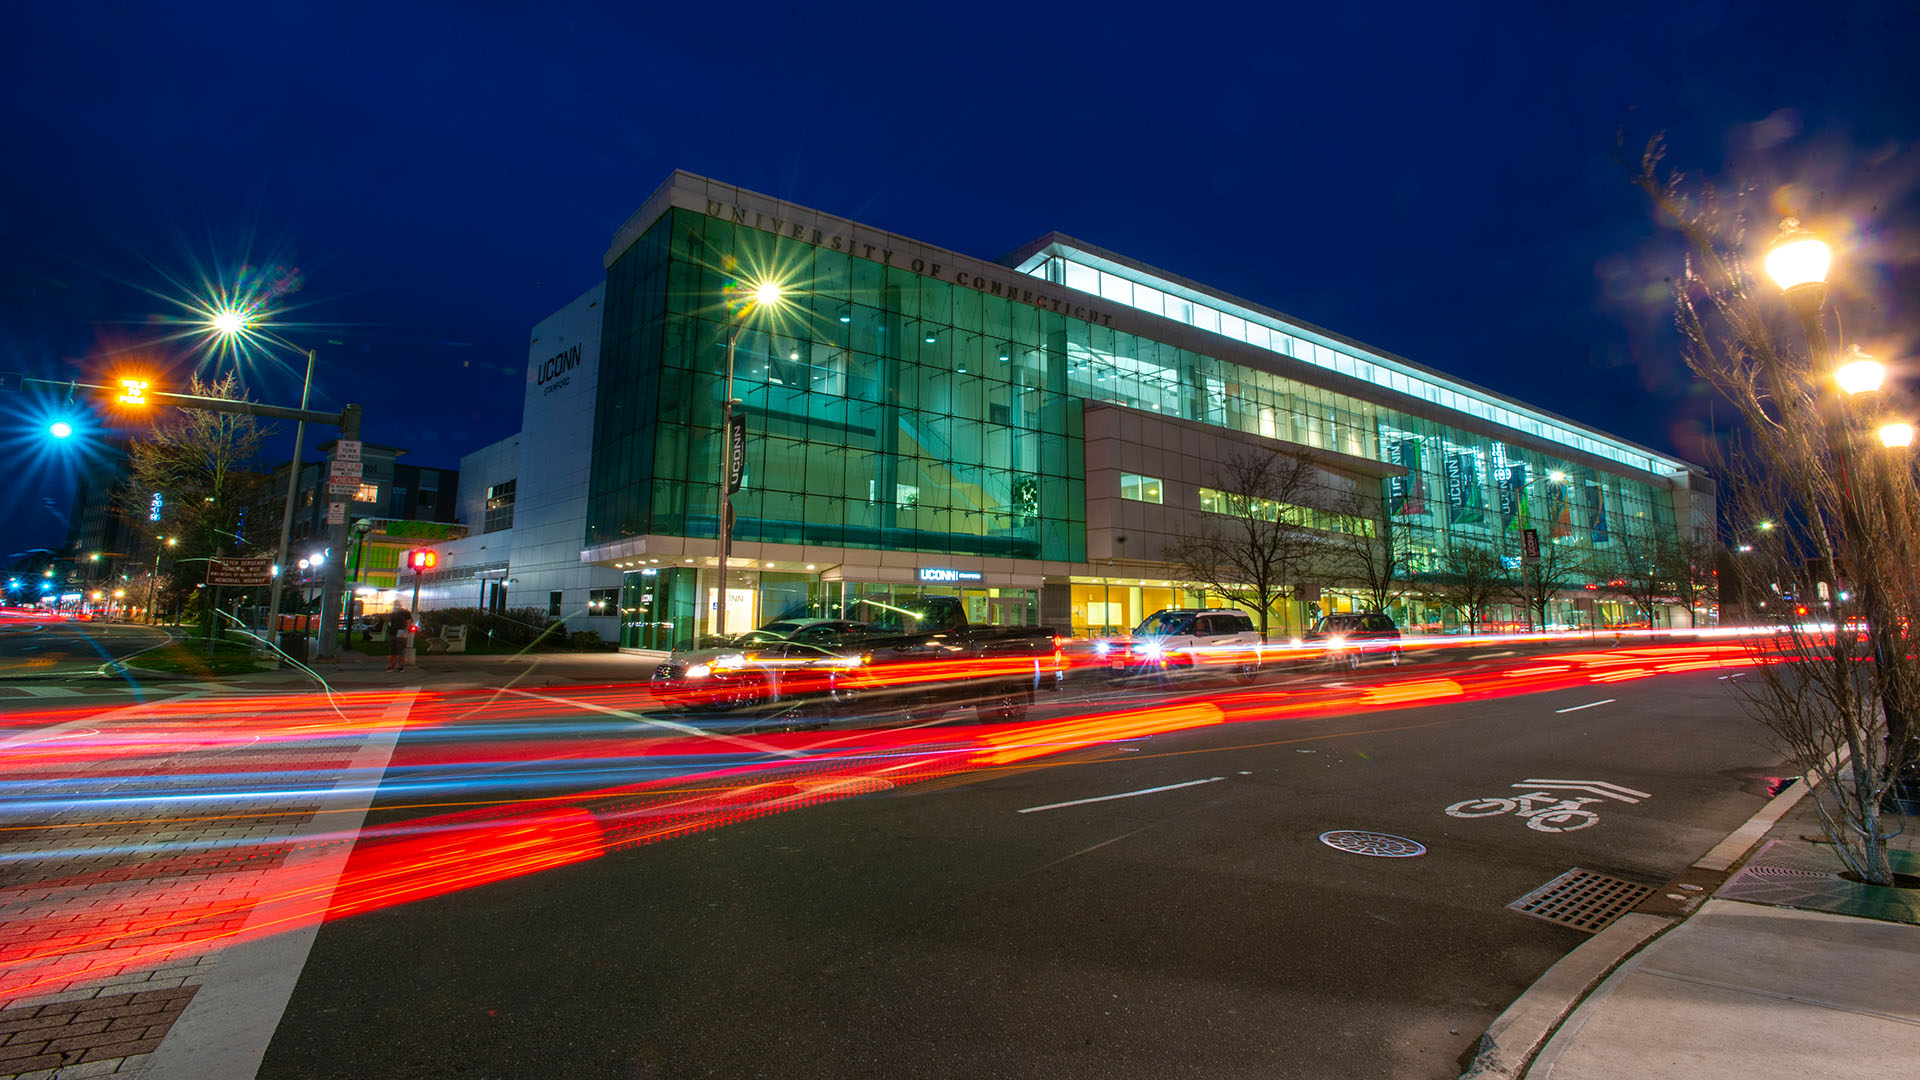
[[1260, 546], [204, 464], [1467, 578], [1838, 695], [1534, 586], [1693, 573], [1378, 560], [1639, 569]]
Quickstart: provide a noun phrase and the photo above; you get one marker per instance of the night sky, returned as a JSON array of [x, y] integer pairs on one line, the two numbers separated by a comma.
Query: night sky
[[1435, 180]]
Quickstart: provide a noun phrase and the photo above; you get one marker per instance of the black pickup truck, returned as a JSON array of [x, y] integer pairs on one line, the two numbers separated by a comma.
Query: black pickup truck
[[924, 658]]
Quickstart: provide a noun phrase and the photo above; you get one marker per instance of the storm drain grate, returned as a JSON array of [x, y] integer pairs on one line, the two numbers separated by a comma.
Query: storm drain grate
[[1582, 899], [1378, 844]]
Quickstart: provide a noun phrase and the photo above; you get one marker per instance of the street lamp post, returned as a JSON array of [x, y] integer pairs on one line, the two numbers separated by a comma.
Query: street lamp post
[[1798, 262], [286, 512], [153, 583], [766, 294]]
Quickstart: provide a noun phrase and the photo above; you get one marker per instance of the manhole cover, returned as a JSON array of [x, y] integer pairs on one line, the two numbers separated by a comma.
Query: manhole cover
[[1582, 899], [1383, 845]]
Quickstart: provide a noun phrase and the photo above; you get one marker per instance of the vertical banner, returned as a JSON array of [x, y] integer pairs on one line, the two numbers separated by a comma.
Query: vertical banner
[[1464, 490], [1407, 494], [737, 436], [1559, 513], [1596, 510], [1513, 497], [1529, 547]]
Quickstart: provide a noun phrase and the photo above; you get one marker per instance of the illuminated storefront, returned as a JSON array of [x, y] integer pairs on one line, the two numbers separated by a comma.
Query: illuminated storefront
[[1041, 425]]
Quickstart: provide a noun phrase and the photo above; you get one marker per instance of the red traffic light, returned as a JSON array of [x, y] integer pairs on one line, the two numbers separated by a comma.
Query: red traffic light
[[422, 559]]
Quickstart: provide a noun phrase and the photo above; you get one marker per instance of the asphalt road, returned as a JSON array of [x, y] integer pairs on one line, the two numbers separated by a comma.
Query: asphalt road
[[57, 648], [1023, 921]]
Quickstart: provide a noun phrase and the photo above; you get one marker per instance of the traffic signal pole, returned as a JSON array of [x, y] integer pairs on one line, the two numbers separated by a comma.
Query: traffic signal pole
[[347, 420], [286, 513], [330, 604]]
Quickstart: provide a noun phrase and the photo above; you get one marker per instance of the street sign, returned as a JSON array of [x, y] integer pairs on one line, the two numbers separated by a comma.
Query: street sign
[[353, 469], [346, 450], [336, 513], [346, 485], [1530, 547], [737, 435], [241, 572]]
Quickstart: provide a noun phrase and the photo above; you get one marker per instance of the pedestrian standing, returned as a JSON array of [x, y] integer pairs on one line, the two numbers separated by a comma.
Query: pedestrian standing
[[399, 639]]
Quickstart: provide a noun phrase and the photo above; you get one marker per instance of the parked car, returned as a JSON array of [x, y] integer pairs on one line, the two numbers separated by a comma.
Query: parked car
[[1183, 640], [1352, 638], [747, 673], [925, 658]]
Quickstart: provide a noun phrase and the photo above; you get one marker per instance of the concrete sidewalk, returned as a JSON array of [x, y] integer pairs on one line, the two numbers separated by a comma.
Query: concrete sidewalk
[[1787, 970]]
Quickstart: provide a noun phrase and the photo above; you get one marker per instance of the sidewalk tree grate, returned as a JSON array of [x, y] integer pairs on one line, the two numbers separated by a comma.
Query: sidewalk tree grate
[[1583, 899], [1378, 844]]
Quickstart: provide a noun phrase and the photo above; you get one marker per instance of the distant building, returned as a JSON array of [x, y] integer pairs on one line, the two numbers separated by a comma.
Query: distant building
[[101, 541], [403, 506], [523, 499]]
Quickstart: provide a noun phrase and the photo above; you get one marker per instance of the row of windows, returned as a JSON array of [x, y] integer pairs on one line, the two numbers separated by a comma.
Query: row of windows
[[1265, 332], [1220, 502]]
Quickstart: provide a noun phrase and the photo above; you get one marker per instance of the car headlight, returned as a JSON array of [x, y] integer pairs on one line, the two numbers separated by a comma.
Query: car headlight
[[1102, 648], [699, 671], [1336, 643]]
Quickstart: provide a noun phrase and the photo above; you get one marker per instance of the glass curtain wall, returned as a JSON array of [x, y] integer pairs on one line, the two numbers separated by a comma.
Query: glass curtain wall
[[888, 410]]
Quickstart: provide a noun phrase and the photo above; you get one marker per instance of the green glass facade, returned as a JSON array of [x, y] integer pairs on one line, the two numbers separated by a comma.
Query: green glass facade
[[883, 410], [890, 410]]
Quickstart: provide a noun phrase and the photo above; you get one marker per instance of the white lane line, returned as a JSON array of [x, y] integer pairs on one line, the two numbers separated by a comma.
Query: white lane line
[[683, 729], [1491, 655], [1122, 795], [1588, 705]]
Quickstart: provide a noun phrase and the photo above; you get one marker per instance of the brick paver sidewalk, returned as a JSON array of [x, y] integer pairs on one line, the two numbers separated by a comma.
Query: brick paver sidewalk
[[143, 849]]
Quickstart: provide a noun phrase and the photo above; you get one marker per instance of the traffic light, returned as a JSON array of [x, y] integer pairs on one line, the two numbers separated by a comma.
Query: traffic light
[[421, 560]]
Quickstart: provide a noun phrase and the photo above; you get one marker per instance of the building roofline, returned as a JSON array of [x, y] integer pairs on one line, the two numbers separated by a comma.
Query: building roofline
[[690, 187], [1055, 239]]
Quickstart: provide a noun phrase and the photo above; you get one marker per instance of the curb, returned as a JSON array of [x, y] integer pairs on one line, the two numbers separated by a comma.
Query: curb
[[1508, 1047]]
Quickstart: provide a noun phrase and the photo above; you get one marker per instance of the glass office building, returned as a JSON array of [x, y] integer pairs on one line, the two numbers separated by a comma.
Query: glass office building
[[1027, 434]]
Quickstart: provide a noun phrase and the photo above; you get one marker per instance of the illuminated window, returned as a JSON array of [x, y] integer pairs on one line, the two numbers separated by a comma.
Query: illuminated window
[[1220, 502], [500, 506], [367, 493], [1140, 488]]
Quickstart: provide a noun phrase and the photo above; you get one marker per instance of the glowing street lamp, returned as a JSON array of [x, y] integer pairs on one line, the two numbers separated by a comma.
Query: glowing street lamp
[[1797, 260], [1896, 435], [1861, 374], [60, 429], [229, 322]]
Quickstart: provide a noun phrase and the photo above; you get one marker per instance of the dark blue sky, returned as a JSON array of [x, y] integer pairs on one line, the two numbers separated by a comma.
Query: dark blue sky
[[1434, 180]]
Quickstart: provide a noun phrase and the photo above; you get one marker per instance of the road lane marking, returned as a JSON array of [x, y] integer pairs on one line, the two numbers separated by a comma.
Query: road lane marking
[[1595, 787], [1491, 655], [1122, 795], [682, 729], [1588, 705]]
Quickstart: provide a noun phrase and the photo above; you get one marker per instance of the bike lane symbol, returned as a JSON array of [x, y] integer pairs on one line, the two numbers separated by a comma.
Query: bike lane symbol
[[1545, 811]]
